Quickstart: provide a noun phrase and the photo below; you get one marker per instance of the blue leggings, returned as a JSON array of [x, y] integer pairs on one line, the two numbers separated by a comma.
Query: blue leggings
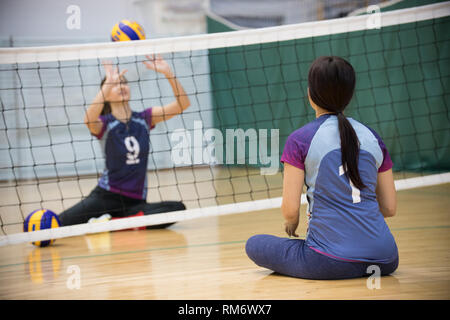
[[292, 257]]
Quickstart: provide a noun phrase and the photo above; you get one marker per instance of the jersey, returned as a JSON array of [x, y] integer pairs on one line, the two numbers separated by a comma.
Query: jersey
[[126, 147], [344, 223]]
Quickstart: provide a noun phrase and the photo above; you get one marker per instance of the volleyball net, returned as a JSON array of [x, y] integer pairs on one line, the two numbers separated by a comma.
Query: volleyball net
[[248, 92]]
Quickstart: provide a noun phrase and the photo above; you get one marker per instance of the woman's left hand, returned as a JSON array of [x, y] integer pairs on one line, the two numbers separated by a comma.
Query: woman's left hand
[[158, 64]]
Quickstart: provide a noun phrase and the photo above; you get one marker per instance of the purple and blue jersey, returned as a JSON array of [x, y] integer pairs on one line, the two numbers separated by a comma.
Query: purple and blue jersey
[[344, 222], [126, 147]]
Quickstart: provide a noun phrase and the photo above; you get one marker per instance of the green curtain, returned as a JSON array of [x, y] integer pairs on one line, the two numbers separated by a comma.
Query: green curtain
[[402, 88]]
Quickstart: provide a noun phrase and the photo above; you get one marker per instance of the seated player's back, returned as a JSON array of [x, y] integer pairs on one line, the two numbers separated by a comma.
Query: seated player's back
[[345, 222]]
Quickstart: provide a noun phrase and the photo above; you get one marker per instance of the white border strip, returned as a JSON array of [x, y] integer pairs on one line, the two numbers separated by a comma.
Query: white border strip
[[425, 181], [135, 222], [219, 40], [176, 216]]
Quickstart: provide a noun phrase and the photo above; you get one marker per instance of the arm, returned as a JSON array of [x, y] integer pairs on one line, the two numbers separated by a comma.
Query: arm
[[181, 103], [386, 194], [292, 191], [91, 117]]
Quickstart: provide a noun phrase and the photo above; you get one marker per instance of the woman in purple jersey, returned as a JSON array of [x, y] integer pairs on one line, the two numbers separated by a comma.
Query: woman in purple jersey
[[122, 188], [350, 190]]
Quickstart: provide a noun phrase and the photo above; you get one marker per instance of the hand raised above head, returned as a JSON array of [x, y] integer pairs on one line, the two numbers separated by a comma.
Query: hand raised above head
[[112, 76], [158, 64]]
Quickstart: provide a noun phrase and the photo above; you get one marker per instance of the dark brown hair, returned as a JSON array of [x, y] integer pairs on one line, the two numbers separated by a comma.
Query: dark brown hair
[[331, 83], [107, 105]]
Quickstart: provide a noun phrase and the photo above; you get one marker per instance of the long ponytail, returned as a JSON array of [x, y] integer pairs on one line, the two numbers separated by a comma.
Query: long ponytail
[[331, 83], [349, 150]]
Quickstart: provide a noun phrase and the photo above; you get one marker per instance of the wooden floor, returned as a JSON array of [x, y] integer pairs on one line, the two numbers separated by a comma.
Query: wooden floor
[[205, 259]]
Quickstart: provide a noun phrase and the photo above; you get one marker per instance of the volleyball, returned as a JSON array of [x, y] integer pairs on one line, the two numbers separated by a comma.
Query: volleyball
[[39, 220], [127, 30]]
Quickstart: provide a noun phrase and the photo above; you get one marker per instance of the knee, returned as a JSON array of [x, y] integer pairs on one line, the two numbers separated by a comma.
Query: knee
[[254, 245], [249, 245], [68, 219], [180, 206], [388, 269], [175, 205], [62, 219]]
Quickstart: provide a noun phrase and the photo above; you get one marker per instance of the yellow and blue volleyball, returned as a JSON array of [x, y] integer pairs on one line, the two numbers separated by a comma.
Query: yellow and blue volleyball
[[40, 220], [127, 30]]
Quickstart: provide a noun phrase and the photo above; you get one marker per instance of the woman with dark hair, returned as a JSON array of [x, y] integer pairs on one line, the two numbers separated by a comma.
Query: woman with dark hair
[[124, 134], [350, 189]]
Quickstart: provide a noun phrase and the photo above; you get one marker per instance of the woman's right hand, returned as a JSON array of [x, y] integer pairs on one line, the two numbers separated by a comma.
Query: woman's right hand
[[112, 78], [290, 227]]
